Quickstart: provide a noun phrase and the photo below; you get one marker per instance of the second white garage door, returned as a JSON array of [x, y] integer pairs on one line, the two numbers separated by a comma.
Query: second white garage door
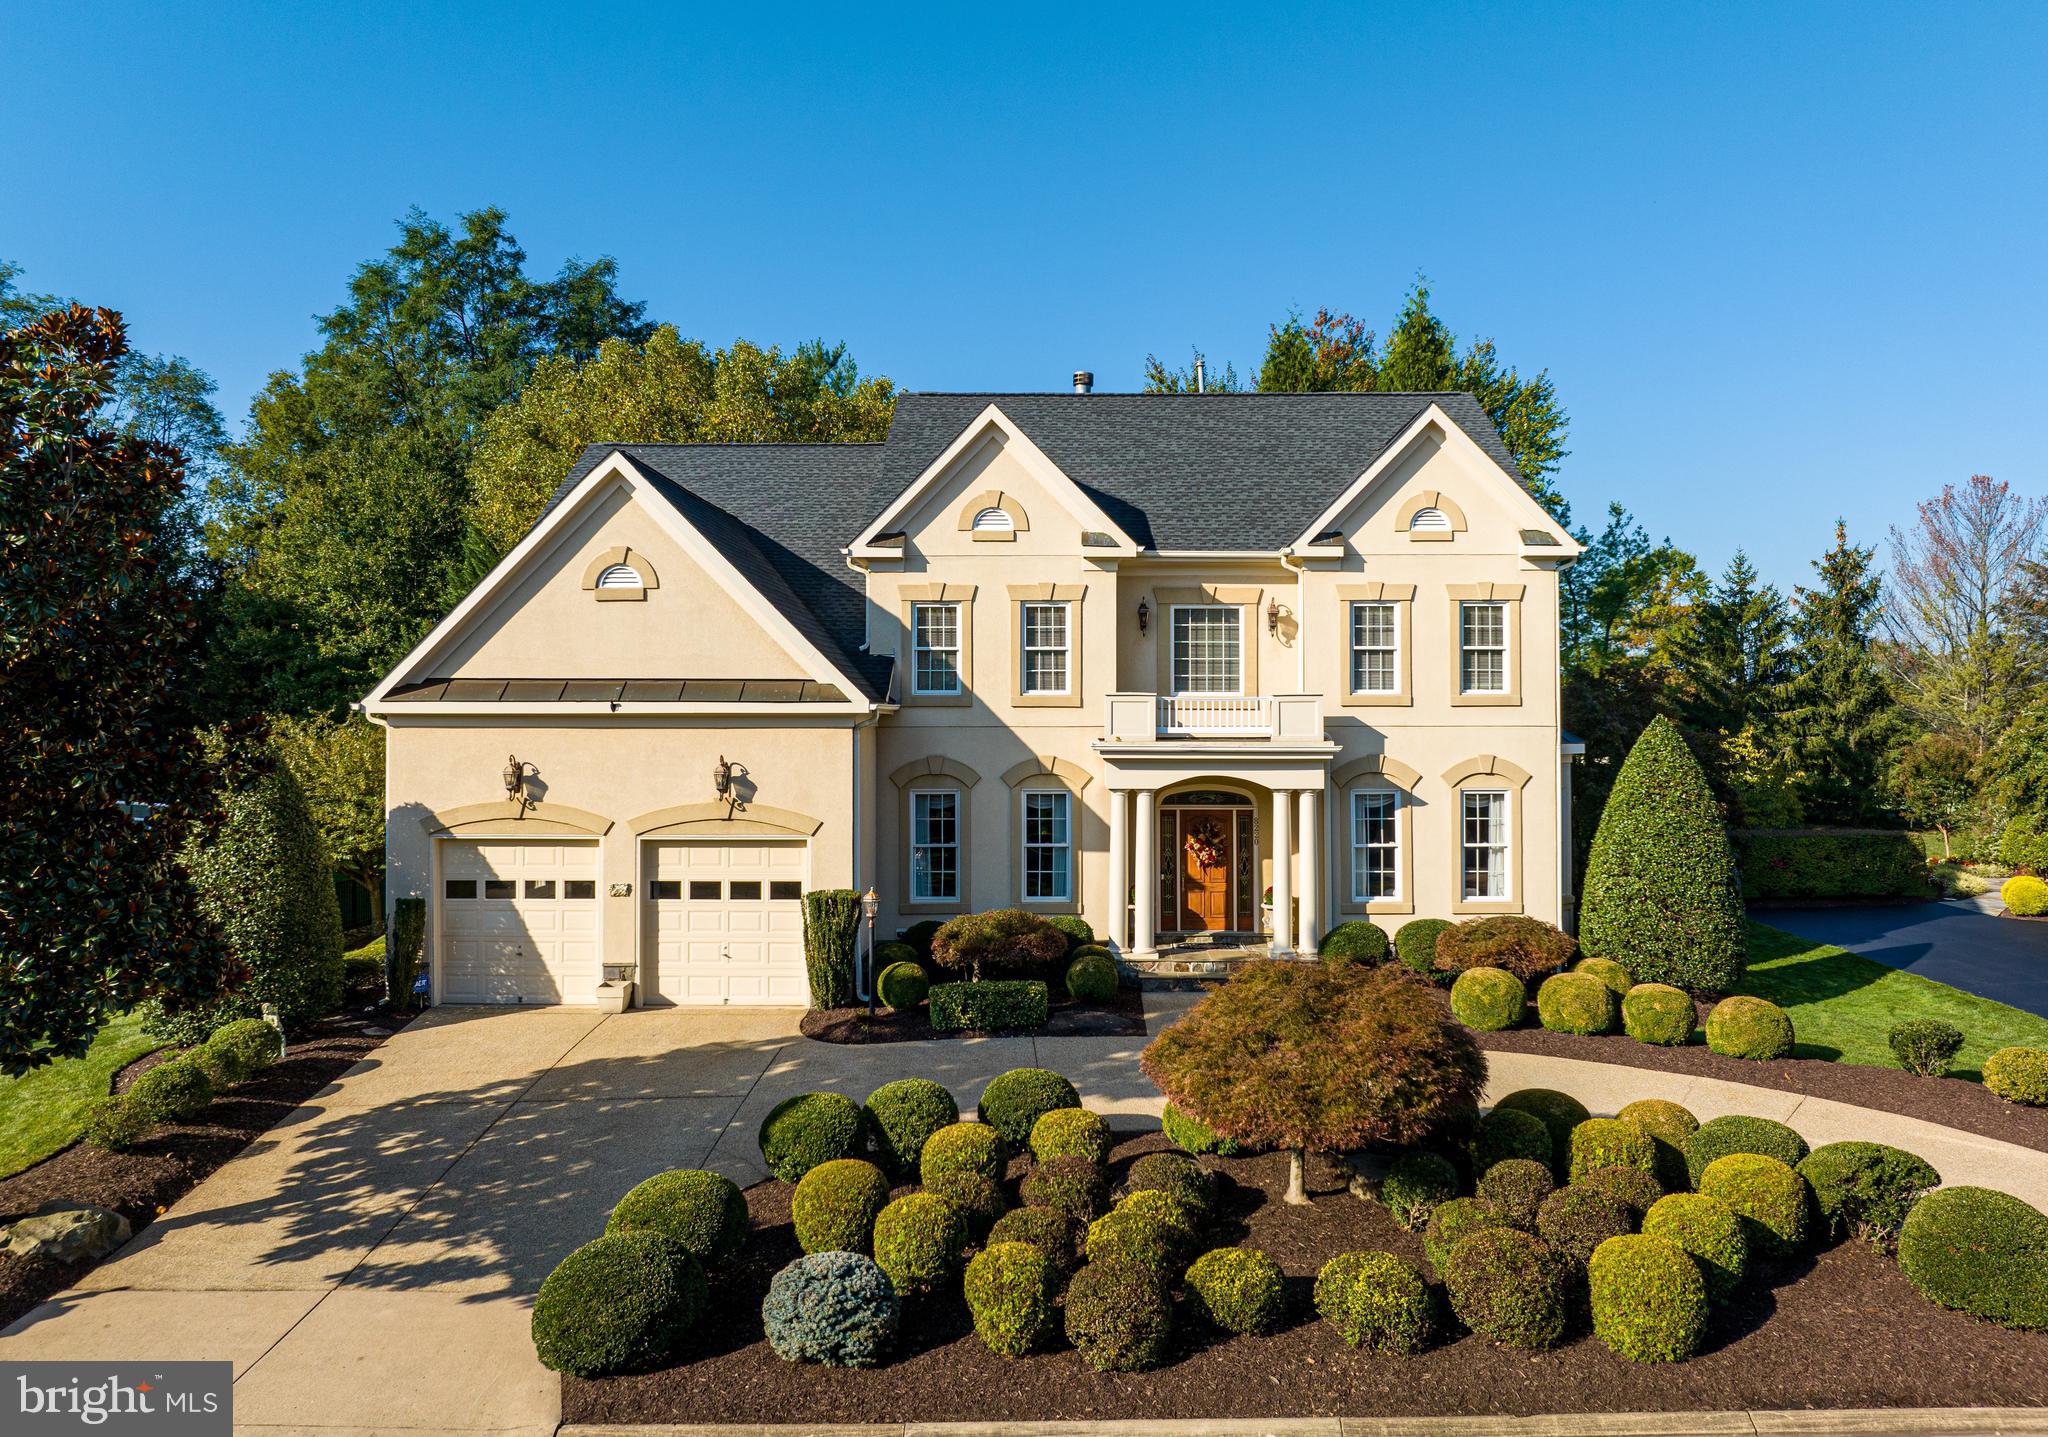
[[725, 923]]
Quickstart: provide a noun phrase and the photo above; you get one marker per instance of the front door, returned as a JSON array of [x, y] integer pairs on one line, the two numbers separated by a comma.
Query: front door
[[1206, 863]]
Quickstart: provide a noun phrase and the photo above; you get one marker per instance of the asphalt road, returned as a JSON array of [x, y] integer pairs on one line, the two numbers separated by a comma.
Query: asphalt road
[[1952, 943]]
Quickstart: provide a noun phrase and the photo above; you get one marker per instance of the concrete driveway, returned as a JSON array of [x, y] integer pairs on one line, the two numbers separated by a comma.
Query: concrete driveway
[[1963, 944]]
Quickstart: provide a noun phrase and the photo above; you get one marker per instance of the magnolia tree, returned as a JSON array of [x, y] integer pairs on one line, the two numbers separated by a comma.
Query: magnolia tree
[[1313, 1058]]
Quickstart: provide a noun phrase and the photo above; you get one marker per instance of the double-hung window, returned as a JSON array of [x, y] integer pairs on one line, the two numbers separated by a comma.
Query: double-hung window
[[1044, 630], [1375, 649], [1483, 843], [935, 648], [1048, 846], [1375, 845], [1208, 649], [1483, 647], [935, 846]]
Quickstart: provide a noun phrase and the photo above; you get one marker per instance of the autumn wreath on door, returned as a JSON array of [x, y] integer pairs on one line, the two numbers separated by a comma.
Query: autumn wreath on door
[[1205, 844]]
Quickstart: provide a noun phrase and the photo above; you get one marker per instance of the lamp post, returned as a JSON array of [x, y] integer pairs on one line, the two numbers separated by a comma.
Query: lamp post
[[868, 904]]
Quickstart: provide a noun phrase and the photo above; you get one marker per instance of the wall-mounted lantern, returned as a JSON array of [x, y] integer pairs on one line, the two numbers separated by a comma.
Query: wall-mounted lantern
[[1272, 617], [518, 776], [723, 779], [1144, 615]]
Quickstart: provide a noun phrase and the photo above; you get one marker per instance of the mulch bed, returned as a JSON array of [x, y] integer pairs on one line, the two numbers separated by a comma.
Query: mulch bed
[[1841, 1329], [1122, 1016], [142, 1182]]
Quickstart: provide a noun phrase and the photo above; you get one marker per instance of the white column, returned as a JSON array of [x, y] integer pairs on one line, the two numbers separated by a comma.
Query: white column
[[1311, 872], [1283, 872], [1116, 927], [1144, 941]]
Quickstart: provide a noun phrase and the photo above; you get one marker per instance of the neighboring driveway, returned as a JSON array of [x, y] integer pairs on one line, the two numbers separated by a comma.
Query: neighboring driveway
[[1964, 945]]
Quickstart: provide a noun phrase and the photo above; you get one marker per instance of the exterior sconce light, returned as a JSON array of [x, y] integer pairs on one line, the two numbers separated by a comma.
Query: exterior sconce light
[[1272, 617], [517, 776], [1144, 615], [723, 775]]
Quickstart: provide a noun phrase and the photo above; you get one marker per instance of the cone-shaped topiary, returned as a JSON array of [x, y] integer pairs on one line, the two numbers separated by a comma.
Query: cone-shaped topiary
[[1662, 898]]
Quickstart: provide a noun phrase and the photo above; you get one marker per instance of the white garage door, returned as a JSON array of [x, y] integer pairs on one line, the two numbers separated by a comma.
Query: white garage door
[[518, 922], [726, 923]]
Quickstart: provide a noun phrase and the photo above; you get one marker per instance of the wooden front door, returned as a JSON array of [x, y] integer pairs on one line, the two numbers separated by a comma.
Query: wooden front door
[[1206, 846]]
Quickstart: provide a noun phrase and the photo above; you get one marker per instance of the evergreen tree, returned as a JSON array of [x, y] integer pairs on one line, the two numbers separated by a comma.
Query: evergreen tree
[[1840, 716], [1733, 663]]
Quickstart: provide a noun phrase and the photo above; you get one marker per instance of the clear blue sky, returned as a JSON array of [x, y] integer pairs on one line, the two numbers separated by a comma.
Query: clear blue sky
[[1784, 262]]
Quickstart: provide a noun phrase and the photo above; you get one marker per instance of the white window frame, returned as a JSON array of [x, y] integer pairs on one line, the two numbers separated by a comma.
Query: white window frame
[[919, 648], [1359, 848], [1064, 848], [1392, 648], [1065, 648], [1466, 650], [1173, 649], [920, 876], [1500, 843]]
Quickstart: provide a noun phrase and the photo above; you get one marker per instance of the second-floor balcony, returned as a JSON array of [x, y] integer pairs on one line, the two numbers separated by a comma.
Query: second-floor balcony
[[1253, 718]]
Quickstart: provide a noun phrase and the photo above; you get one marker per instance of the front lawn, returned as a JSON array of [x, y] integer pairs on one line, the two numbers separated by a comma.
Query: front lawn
[[40, 1112], [1843, 1004]]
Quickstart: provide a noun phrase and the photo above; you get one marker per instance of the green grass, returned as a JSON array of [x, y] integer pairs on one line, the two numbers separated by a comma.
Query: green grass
[[1843, 1004], [40, 1112]]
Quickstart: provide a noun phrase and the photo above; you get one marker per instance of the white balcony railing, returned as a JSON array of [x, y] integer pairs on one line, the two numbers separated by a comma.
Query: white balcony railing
[[1152, 718], [1215, 716]]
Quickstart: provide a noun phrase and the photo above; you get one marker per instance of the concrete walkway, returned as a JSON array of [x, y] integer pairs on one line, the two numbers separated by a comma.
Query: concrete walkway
[[1962, 943]]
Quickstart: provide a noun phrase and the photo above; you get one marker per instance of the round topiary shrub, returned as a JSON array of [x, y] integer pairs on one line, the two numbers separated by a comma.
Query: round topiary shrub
[[1576, 1003], [2018, 1075], [1119, 1318], [1073, 1186], [1354, 942], [1865, 1189], [1238, 1289], [2025, 895], [902, 986], [1709, 1232], [918, 937], [1609, 1143], [108, 1122], [1377, 1302], [1633, 1188], [1415, 942], [1091, 978], [1516, 1189], [1510, 1287], [1735, 1134], [1607, 971], [1012, 1292], [1152, 1203], [1506, 1134], [172, 1092], [1657, 1013], [1559, 1112], [1050, 1231], [1925, 1047], [808, 1129], [618, 1304], [1179, 1178], [1075, 929], [836, 1308], [919, 1240], [1013, 1103], [1980, 1252], [1578, 1217], [252, 1043], [1669, 1126], [703, 1211], [1452, 1223], [1529, 948], [1649, 1299], [1745, 1027], [835, 1205], [1415, 1185], [222, 1069], [1193, 1136], [1140, 1238], [1071, 1133], [1488, 999], [891, 951], [963, 1148], [981, 1200], [1770, 1199], [1093, 950], [901, 1118]]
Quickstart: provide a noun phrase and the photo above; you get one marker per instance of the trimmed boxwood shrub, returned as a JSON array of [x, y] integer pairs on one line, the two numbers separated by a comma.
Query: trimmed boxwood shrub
[[1607, 971], [1745, 1027], [1452, 1223], [1354, 942], [1830, 863], [1669, 1126], [902, 1117], [1180, 1178], [831, 918], [1074, 929], [1578, 1217], [1050, 1231], [1609, 1143], [1012, 1289], [1091, 978], [110, 1123], [981, 1200], [962, 1148], [1576, 1003], [1377, 1302], [703, 1211], [1013, 1103], [1711, 1234], [1865, 1189], [835, 1206], [1071, 1133], [1558, 1112], [1510, 1287], [1415, 942], [1488, 999], [1633, 1188], [1648, 1297], [1506, 1134], [808, 1129], [918, 937], [891, 951], [1925, 1047], [1769, 1197], [1980, 1252], [1527, 947], [251, 1043], [221, 1069], [1658, 1013], [1415, 1184], [919, 1241], [1073, 1186], [1192, 1136], [2019, 1075], [836, 1308], [1003, 939], [2025, 895], [1093, 950], [620, 1303], [1722, 1136], [989, 1007], [902, 985], [1118, 1317], [169, 1093], [1238, 1289], [1516, 1189], [1135, 1236]]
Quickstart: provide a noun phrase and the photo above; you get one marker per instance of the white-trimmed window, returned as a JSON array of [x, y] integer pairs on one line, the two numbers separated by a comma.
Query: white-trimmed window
[[1208, 649], [1375, 845], [1048, 845], [935, 845], [1483, 843], [1375, 648], [1045, 631], [1483, 647], [935, 648], [620, 576]]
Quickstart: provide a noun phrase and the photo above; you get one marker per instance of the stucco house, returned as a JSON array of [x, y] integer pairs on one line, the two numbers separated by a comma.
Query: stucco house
[[1141, 658]]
